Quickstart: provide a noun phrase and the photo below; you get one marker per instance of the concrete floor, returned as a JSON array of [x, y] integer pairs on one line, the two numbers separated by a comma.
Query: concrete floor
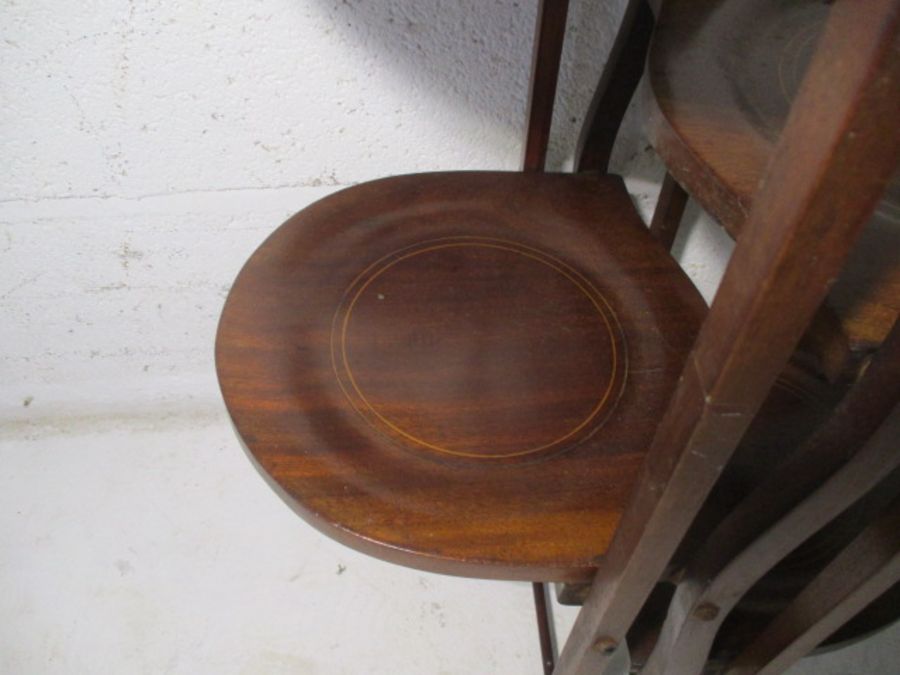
[[150, 545]]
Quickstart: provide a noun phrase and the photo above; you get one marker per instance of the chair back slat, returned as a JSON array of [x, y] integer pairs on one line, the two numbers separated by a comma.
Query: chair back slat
[[549, 34], [620, 77]]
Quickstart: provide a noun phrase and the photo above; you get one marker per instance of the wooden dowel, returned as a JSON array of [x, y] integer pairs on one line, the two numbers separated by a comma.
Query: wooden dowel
[[668, 212], [545, 626], [549, 34]]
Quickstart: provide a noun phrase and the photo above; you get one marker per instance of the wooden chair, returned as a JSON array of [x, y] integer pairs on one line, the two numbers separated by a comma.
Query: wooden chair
[[506, 375], [795, 186]]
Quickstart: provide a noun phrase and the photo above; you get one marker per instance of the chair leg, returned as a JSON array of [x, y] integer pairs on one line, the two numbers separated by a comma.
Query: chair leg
[[544, 617]]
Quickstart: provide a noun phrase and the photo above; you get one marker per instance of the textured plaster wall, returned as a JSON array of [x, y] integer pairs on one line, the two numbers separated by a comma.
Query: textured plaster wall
[[148, 146]]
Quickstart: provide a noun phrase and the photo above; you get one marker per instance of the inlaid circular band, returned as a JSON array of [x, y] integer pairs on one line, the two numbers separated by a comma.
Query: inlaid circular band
[[464, 346]]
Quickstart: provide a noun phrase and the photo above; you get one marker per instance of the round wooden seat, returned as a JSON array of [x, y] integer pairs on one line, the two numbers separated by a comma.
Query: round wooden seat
[[459, 372], [722, 78]]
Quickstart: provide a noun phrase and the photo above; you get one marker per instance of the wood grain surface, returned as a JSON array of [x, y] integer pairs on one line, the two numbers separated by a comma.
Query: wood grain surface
[[459, 372], [721, 80], [832, 161]]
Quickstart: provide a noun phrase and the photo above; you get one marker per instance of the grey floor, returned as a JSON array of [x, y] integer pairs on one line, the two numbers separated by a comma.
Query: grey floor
[[150, 545]]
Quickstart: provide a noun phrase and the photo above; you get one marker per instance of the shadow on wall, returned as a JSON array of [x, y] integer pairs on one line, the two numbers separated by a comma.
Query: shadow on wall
[[477, 55]]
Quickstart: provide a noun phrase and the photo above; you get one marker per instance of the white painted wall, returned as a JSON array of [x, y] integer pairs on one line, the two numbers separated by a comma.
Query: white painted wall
[[149, 146]]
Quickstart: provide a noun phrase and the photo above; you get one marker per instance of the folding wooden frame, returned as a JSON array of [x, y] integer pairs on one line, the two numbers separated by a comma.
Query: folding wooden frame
[[830, 166]]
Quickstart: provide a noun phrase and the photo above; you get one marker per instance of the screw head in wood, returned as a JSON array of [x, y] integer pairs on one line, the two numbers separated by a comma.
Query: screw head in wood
[[706, 611], [605, 645]]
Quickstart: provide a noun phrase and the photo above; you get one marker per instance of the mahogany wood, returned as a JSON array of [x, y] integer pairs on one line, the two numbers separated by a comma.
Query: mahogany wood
[[721, 78], [621, 74], [572, 594], [865, 407], [868, 567], [550, 30], [668, 212], [544, 616], [473, 373], [826, 346], [459, 372], [706, 552], [547, 52], [702, 601], [866, 298], [827, 173]]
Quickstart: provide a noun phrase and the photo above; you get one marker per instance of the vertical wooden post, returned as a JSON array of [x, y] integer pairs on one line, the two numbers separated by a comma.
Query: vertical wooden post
[[545, 626], [549, 33]]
